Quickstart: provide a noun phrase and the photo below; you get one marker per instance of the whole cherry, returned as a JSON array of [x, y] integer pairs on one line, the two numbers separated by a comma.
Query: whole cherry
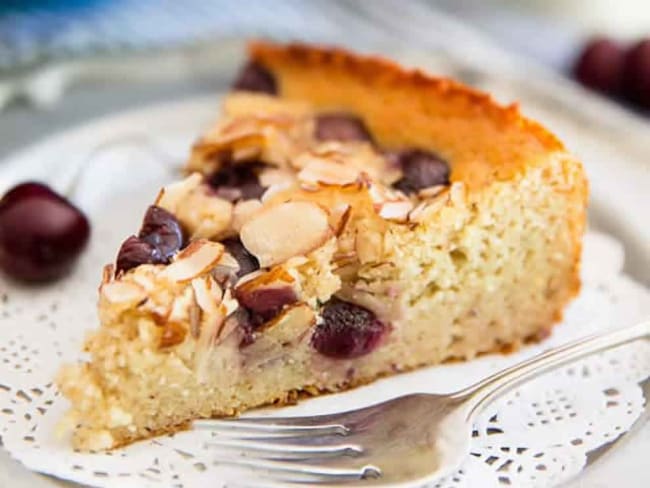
[[600, 66], [41, 233], [636, 74]]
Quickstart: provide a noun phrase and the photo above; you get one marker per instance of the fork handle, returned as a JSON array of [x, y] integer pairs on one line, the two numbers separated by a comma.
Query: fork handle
[[478, 396]]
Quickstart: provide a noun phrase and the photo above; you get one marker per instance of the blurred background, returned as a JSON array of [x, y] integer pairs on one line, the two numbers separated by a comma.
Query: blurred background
[[68, 60], [581, 67]]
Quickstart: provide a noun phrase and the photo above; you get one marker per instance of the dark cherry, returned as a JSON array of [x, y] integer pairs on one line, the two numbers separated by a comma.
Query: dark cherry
[[134, 252], [266, 303], [160, 237], [41, 233], [636, 74], [341, 127], [347, 330], [256, 78], [421, 169], [237, 181], [163, 231], [247, 262], [600, 66]]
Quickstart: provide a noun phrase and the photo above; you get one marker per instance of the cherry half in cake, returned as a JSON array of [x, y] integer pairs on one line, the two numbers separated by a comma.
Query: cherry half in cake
[[160, 238], [343, 220]]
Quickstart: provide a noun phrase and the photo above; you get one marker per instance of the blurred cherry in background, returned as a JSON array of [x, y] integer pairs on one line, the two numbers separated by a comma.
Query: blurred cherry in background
[[616, 69]]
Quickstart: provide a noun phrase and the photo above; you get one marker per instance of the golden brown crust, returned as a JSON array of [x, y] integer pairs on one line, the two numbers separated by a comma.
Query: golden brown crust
[[482, 140]]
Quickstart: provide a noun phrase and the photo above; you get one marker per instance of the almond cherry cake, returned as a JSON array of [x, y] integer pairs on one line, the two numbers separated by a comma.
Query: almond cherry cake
[[343, 220]]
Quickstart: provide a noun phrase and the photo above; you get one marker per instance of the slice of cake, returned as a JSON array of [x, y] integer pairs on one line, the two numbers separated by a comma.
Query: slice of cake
[[343, 220]]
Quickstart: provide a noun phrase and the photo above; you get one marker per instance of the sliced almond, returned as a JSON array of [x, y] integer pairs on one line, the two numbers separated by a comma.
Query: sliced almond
[[202, 157], [395, 210], [229, 302], [145, 277], [319, 170], [288, 229], [123, 292], [228, 261], [195, 320], [196, 259], [423, 210], [291, 324], [339, 217], [274, 190], [208, 293], [294, 262], [243, 211], [180, 310], [275, 176], [108, 272], [208, 296], [171, 195], [431, 191], [257, 279]]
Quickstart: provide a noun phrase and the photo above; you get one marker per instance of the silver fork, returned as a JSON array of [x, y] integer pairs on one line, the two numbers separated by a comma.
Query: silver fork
[[406, 441]]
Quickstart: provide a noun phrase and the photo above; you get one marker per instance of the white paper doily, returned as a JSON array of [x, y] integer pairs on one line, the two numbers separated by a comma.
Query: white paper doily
[[537, 436]]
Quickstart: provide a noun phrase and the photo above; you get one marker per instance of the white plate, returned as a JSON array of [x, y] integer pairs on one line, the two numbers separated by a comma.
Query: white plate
[[122, 177]]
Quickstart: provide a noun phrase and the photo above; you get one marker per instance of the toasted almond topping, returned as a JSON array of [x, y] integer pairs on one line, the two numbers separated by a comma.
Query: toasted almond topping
[[275, 176], [319, 170], [277, 275], [171, 195], [123, 292], [432, 191], [181, 305], [195, 320], [194, 260], [281, 231], [243, 211], [229, 302], [107, 273], [273, 190], [379, 194], [339, 217], [228, 261], [145, 277], [395, 210], [294, 262], [429, 207], [207, 292], [291, 324]]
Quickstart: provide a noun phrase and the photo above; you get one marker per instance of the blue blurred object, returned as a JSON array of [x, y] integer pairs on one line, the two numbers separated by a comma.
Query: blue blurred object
[[14, 6], [42, 30]]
